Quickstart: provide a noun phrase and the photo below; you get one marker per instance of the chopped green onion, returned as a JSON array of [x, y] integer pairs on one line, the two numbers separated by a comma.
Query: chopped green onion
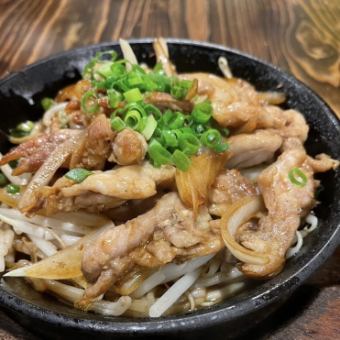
[[173, 120], [23, 129], [297, 177], [14, 163], [221, 147], [114, 98], [136, 107], [13, 189], [117, 70], [46, 103], [225, 132], [211, 138], [133, 95], [152, 109], [199, 128], [177, 121], [202, 112], [180, 88], [117, 124], [78, 174], [89, 68], [89, 102], [104, 69], [150, 127], [169, 138], [158, 154], [3, 180], [158, 68], [189, 143], [181, 160], [133, 120]]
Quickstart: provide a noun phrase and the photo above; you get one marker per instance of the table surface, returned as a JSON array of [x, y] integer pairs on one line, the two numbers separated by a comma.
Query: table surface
[[300, 36]]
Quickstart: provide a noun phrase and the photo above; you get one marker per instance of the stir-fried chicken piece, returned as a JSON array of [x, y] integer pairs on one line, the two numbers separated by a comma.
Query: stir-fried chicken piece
[[95, 147], [286, 204], [237, 104], [167, 231], [103, 190], [247, 150], [288, 123], [228, 188], [165, 101], [127, 182], [34, 152], [234, 101], [129, 147]]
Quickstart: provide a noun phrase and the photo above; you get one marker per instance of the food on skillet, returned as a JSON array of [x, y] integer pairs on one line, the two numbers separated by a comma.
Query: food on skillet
[[145, 192]]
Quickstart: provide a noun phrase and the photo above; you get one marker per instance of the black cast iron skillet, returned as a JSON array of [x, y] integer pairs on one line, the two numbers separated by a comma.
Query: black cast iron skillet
[[20, 94]]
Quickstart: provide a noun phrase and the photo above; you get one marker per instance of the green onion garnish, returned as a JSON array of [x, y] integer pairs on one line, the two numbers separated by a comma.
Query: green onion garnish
[[13, 189], [133, 120], [173, 120], [181, 160], [114, 98], [150, 127], [14, 163], [89, 102], [180, 88], [104, 69], [23, 129], [117, 124], [221, 147], [152, 110], [158, 154], [202, 112], [211, 138], [189, 143], [199, 128], [225, 132], [297, 177], [78, 174], [3, 180], [46, 103], [169, 138], [133, 95]]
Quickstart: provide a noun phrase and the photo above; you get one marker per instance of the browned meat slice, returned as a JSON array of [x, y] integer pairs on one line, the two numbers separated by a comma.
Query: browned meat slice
[[228, 188], [102, 190], [127, 182], [286, 204], [288, 123], [238, 105], [94, 150], [234, 101], [129, 147], [74, 91], [119, 241], [34, 152], [165, 101], [246, 150], [166, 232]]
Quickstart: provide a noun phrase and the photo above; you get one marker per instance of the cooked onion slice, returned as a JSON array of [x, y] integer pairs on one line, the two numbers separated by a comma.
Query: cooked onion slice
[[65, 264], [236, 215], [194, 184], [49, 168], [128, 54], [224, 67]]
